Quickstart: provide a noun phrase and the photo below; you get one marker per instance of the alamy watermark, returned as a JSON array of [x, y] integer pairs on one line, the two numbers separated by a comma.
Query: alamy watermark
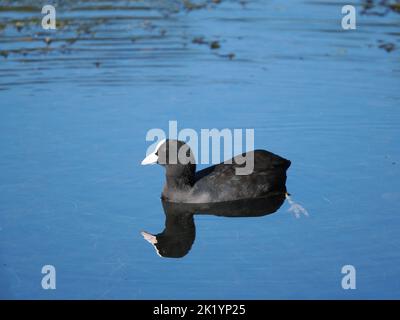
[[209, 140], [349, 20], [49, 20], [49, 278], [349, 280]]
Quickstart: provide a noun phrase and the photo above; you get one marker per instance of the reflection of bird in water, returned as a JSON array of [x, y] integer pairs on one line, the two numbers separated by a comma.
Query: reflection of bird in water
[[178, 236]]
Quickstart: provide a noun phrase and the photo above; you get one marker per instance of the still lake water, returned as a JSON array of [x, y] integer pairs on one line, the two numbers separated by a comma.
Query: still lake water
[[76, 105]]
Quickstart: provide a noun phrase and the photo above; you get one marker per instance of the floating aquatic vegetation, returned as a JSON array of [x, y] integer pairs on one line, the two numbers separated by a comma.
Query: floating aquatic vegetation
[[4, 53], [230, 56], [380, 8], [395, 7], [48, 40], [388, 47], [190, 5], [199, 40], [98, 32], [95, 21], [19, 25], [215, 45]]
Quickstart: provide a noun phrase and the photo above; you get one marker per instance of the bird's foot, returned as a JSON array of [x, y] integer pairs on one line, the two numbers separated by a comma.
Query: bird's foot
[[296, 209]]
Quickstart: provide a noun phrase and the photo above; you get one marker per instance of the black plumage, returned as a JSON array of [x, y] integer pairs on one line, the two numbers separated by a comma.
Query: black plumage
[[219, 183]]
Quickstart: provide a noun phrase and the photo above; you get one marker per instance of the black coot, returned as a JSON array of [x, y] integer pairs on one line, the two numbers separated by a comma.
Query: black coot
[[220, 182]]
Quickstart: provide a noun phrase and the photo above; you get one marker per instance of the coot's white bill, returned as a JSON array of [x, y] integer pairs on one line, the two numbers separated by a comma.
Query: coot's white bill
[[152, 157]]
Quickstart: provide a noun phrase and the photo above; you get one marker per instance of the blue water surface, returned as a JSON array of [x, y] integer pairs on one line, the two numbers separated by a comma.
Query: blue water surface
[[73, 121]]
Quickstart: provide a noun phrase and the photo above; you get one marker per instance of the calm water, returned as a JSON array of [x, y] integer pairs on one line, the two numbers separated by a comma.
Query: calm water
[[76, 105]]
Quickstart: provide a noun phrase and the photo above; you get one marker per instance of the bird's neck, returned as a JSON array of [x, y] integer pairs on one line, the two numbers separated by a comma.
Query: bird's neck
[[177, 188], [179, 182], [182, 183]]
